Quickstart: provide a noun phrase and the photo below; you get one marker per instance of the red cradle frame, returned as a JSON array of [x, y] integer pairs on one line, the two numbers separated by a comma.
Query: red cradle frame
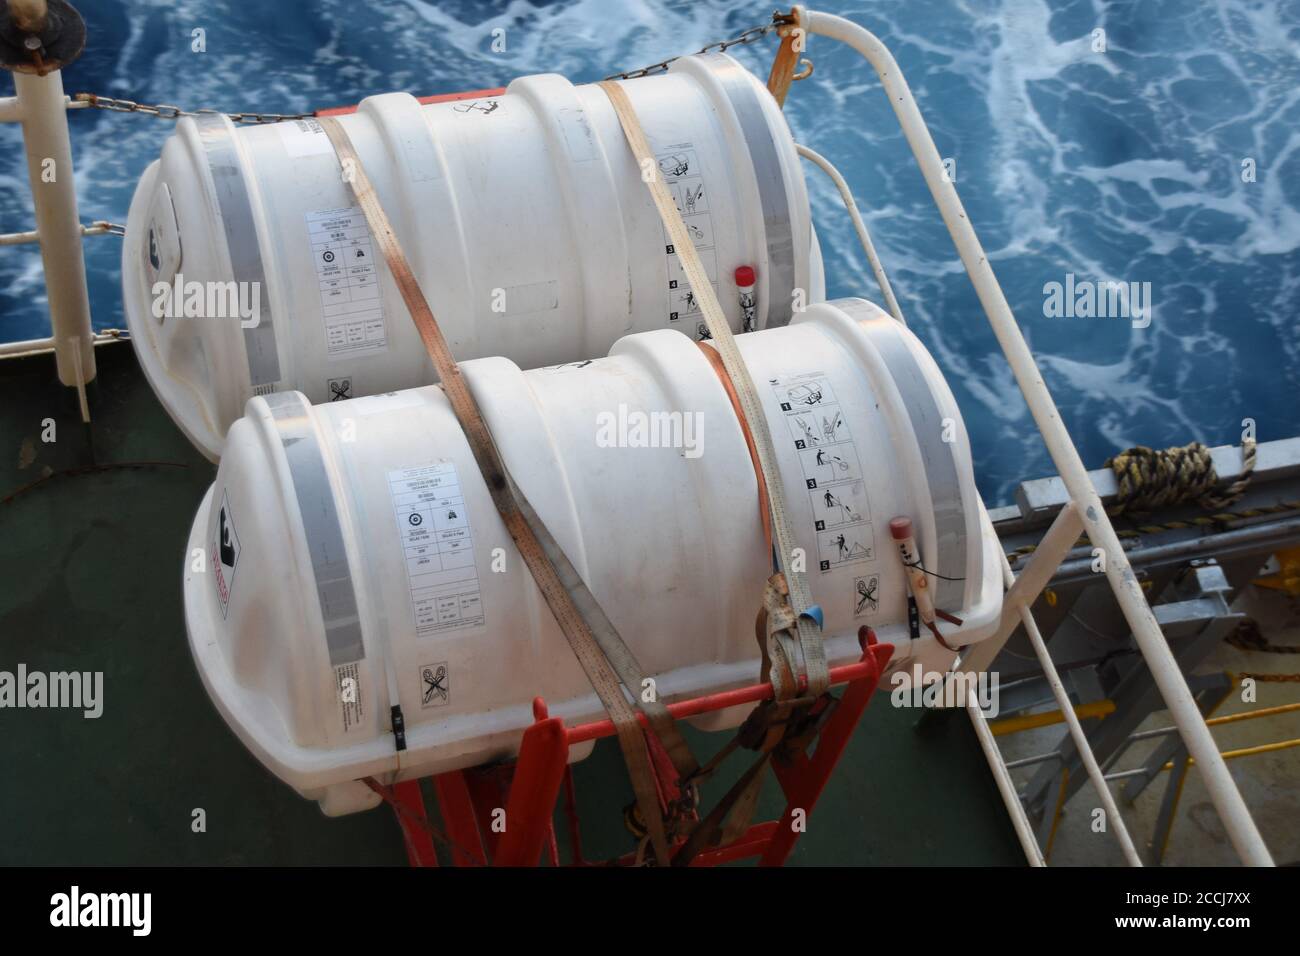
[[528, 787]]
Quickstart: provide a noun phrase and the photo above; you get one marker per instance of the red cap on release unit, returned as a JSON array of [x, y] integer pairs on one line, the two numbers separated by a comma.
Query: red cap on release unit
[[900, 528], [744, 276]]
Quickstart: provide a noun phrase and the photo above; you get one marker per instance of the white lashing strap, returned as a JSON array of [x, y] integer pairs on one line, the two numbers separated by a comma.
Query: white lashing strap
[[814, 655]]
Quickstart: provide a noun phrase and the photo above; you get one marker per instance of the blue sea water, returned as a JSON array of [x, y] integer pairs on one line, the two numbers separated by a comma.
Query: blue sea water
[[1122, 165]]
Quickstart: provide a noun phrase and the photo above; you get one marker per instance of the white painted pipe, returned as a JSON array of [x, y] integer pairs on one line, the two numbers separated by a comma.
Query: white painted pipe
[[1072, 722], [31, 346], [1168, 677], [54, 194], [1047, 557], [30, 236], [1006, 786], [864, 237]]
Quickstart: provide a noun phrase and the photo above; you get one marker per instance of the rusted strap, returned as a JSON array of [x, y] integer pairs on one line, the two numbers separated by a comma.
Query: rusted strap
[[604, 657]]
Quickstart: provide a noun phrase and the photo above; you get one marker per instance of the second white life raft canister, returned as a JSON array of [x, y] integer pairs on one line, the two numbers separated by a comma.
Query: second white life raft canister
[[348, 557], [248, 269]]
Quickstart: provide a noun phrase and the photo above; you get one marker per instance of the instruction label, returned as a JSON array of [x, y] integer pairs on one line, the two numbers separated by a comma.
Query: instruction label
[[433, 525], [832, 471], [680, 168], [347, 677], [348, 281]]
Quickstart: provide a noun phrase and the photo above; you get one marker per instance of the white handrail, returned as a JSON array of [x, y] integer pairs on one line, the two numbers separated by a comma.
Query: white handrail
[[1227, 799], [864, 237], [54, 195], [1072, 721], [1006, 786], [32, 235]]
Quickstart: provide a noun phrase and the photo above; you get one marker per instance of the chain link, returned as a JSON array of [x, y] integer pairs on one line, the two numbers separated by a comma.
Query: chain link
[[167, 111], [721, 46]]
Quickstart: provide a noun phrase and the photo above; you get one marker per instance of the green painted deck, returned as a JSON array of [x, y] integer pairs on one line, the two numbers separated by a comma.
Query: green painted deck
[[90, 580]]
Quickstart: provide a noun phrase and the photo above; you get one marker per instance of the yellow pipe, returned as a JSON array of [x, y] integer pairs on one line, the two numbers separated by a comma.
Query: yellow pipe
[[1252, 714], [1100, 708], [1014, 725], [1287, 578], [1247, 751]]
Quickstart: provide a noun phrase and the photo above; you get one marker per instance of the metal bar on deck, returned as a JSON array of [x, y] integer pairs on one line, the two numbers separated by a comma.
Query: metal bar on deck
[[1006, 786], [54, 195]]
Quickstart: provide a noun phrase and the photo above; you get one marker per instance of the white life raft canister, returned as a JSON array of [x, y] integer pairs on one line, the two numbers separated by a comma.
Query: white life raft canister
[[524, 216], [352, 558]]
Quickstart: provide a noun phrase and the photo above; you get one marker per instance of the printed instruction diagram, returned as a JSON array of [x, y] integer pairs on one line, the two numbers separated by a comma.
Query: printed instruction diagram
[[679, 166], [832, 470]]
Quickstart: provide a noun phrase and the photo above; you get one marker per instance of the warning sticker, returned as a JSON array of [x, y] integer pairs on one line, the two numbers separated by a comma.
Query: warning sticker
[[832, 470], [866, 595], [433, 524], [680, 168], [340, 389], [347, 678], [348, 281], [225, 553], [435, 686]]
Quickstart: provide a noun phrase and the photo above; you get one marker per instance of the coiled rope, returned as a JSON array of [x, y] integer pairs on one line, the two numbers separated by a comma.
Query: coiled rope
[[1178, 475], [1150, 479]]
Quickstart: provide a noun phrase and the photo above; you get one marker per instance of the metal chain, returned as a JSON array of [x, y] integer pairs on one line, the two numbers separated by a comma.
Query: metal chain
[[779, 20], [167, 111], [170, 112]]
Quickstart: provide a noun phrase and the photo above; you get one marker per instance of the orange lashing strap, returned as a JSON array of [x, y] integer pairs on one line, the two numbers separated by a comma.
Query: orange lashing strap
[[605, 658], [787, 58], [721, 370]]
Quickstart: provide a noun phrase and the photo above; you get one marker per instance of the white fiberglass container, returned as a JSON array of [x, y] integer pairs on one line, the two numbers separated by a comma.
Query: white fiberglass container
[[523, 215], [353, 559]]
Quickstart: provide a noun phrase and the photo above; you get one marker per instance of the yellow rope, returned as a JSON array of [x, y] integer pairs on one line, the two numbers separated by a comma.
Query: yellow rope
[[1274, 678]]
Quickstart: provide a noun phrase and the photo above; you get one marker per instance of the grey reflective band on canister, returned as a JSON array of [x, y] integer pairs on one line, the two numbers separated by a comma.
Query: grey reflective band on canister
[[738, 84], [320, 524], [236, 210], [936, 455]]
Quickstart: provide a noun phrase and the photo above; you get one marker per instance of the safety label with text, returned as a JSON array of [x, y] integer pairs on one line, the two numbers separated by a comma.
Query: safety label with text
[[680, 168], [348, 282], [433, 525]]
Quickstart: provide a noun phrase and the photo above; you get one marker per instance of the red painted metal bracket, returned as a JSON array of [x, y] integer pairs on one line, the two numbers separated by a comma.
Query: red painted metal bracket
[[471, 801]]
